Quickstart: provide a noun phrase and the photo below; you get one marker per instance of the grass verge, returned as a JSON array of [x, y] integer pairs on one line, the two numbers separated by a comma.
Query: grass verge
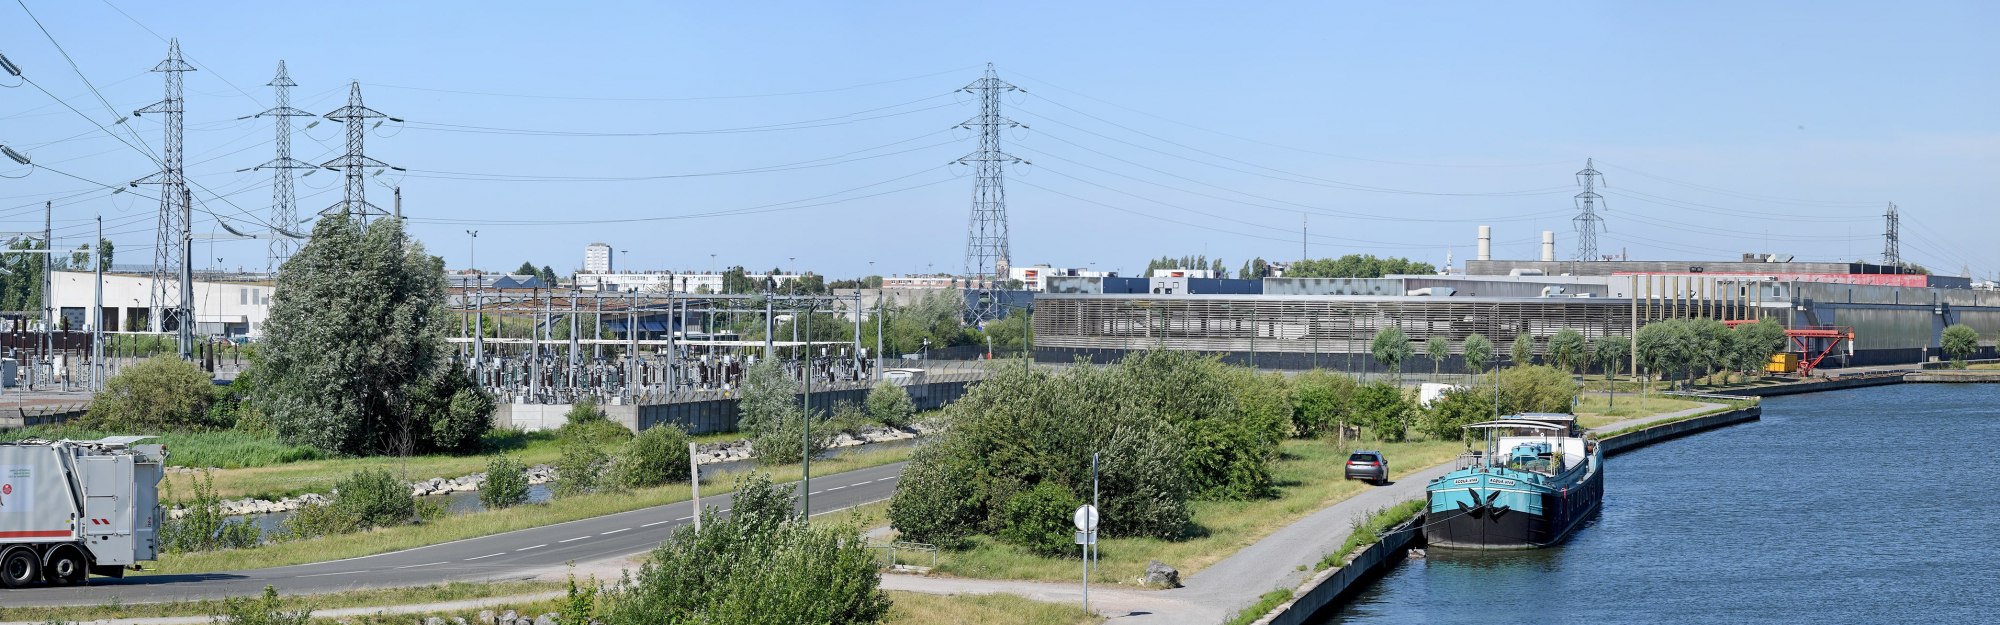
[[1596, 410], [1309, 475], [913, 608], [1264, 605], [1731, 405], [1369, 530], [317, 476], [227, 448], [455, 591], [461, 526]]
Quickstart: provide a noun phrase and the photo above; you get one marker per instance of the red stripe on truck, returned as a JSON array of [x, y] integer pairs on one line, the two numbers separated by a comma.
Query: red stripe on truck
[[37, 534]]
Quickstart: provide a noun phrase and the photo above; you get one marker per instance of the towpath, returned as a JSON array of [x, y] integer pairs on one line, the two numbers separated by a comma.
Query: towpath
[[1219, 591]]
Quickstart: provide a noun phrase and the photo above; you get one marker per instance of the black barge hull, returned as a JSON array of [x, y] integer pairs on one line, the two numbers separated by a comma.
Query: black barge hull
[[1516, 529]]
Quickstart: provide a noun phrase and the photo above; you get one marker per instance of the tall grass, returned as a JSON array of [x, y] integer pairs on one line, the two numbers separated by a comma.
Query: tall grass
[[226, 449], [999, 609], [1369, 530], [1264, 605]]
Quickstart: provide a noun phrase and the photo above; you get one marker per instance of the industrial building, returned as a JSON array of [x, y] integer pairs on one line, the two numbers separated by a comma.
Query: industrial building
[[225, 304], [1299, 323], [597, 258]]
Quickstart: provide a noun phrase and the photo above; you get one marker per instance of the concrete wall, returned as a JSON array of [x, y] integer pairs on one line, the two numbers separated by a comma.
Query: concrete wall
[[1332, 585], [1668, 431]]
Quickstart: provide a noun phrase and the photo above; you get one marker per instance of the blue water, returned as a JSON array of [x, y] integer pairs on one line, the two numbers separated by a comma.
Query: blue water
[[1864, 506]]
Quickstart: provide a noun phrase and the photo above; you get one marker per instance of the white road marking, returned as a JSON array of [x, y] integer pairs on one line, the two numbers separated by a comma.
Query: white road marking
[[684, 518], [817, 492], [614, 531], [655, 523], [417, 565], [534, 547], [837, 488], [573, 539], [326, 574], [487, 556]]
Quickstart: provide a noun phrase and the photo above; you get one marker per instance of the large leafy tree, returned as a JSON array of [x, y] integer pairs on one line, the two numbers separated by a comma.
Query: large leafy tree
[[1569, 350], [354, 359], [1960, 341]]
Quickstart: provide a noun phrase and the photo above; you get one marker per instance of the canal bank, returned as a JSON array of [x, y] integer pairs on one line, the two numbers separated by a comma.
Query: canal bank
[[1820, 510], [1327, 588]]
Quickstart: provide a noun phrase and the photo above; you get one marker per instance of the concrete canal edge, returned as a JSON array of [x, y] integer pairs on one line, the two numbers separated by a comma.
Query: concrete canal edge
[[1331, 587]]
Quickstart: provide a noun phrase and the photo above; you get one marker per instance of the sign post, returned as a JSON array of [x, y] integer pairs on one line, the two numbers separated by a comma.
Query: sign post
[[694, 477], [1086, 535]]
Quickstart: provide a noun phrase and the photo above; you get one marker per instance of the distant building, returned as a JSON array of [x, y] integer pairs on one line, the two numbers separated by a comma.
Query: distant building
[[597, 258], [665, 281], [225, 304], [1036, 278]]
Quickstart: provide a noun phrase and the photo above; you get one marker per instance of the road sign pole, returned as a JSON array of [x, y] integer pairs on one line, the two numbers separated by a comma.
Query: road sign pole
[[694, 477]]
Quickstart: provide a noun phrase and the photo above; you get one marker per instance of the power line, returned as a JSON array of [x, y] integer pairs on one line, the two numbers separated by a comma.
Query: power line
[[765, 208], [682, 99], [824, 122]]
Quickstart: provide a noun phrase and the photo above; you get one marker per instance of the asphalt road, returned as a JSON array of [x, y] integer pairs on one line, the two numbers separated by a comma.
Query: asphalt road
[[513, 555]]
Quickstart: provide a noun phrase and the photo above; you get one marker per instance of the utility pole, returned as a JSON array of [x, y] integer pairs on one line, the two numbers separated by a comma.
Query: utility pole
[[1587, 222], [170, 253], [97, 328], [986, 248], [806, 450], [48, 285], [284, 205]]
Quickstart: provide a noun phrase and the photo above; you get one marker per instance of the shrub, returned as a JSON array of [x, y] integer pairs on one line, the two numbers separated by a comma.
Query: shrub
[[265, 610], [848, 417], [1040, 519], [1321, 402], [203, 526], [770, 396], [452, 411], [156, 395], [505, 485], [580, 470], [1227, 450], [656, 456], [587, 423], [313, 521], [1536, 389], [1384, 408], [376, 498], [1446, 417], [762, 564], [890, 405], [784, 441]]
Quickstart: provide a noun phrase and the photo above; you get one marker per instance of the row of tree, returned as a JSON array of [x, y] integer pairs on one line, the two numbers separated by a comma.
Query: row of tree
[[1196, 262], [1357, 266]]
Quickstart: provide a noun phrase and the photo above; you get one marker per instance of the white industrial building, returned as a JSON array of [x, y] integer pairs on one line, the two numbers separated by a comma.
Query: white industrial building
[[661, 282], [597, 259], [223, 306], [1036, 278]]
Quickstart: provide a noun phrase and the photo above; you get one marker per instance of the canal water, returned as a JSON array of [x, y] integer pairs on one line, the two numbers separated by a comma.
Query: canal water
[[1873, 505]]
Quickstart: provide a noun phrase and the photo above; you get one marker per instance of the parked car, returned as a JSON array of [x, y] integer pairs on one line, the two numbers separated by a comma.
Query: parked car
[[1368, 466]]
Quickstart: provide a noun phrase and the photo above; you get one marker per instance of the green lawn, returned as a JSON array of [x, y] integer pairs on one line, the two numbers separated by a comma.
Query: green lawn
[[1309, 476], [912, 608], [455, 591], [317, 476], [1596, 410], [461, 526]]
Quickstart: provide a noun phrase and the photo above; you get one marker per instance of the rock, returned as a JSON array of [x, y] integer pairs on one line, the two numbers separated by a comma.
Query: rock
[[1159, 574], [546, 619], [509, 616], [486, 617], [433, 621], [458, 620]]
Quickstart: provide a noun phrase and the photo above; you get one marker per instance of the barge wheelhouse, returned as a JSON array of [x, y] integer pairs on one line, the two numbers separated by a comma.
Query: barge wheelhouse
[[1537, 479]]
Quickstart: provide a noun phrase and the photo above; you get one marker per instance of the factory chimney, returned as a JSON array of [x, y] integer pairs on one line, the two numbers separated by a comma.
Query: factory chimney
[[1486, 243], [1548, 246]]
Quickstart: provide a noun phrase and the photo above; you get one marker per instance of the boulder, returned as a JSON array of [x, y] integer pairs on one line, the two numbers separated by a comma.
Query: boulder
[[433, 621], [509, 616], [1159, 574], [546, 619], [458, 620], [486, 617]]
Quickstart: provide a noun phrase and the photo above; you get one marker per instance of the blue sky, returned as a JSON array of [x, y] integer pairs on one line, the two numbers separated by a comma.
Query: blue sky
[[1154, 128]]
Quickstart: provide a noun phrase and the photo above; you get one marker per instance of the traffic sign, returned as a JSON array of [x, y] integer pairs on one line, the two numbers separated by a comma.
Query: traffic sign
[[1086, 518]]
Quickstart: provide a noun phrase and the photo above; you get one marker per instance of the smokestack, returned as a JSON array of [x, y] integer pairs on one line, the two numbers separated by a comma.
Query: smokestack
[[1548, 246], [1486, 243]]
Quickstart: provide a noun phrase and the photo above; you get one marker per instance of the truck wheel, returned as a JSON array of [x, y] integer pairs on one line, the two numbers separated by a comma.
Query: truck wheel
[[19, 569], [64, 568]]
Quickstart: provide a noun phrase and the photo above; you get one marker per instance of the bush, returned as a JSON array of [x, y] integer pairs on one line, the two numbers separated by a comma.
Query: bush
[[455, 410], [266, 610], [316, 520], [770, 396], [1536, 389], [587, 423], [656, 456], [203, 526], [762, 564], [505, 485], [580, 470], [784, 441], [1446, 417], [1960, 341], [890, 405], [1321, 402], [156, 395], [376, 498], [848, 417], [1227, 447], [1040, 519], [1027, 426], [1384, 408]]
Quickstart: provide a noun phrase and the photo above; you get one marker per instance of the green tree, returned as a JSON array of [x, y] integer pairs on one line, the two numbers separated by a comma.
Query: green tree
[[1439, 349], [1758, 341], [1960, 341], [1390, 348], [357, 320], [1478, 352], [1385, 409], [1357, 266], [375, 498], [157, 395], [580, 470], [1321, 403], [1523, 350], [1611, 353], [1447, 416], [656, 456], [1666, 347], [1569, 350], [1039, 519], [527, 269]]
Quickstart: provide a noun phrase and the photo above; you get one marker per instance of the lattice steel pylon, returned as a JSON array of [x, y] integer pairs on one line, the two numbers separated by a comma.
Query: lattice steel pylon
[[284, 204], [1892, 246], [176, 211], [354, 162], [1586, 221], [986, 255]]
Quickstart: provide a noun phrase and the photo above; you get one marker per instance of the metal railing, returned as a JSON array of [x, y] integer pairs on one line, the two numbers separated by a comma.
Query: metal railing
[[890, 547]]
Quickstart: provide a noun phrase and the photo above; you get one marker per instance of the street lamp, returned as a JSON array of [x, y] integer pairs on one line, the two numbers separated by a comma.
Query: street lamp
[[473, 262]]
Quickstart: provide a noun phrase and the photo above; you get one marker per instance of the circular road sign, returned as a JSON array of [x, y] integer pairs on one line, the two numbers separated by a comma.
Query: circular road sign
[[1086, 518]]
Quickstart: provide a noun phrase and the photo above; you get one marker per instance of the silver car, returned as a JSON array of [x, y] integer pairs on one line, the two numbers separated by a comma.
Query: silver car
[[1368, 466]]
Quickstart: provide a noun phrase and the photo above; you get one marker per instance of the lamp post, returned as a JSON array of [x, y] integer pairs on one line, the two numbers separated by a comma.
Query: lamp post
[[472, 262]]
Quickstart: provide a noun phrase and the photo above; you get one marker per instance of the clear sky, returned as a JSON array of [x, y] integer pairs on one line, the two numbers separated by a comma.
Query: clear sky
[[1154, 128]]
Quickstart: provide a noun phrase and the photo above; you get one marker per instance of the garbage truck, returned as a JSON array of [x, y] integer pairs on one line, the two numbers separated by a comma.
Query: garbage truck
[[71, 509]]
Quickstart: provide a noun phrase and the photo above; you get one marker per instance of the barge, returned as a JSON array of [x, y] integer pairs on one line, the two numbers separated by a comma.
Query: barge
[[1535, 482]]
